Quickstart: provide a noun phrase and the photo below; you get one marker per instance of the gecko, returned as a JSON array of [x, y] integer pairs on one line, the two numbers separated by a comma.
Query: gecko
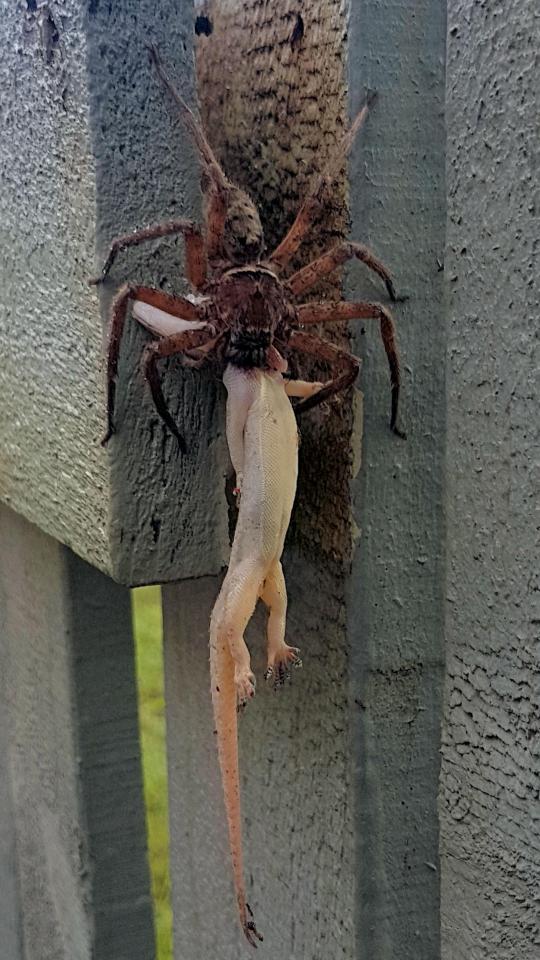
[[262, 436]]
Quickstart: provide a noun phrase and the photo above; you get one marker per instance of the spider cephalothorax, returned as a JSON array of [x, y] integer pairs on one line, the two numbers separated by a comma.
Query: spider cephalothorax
[[243, 308]]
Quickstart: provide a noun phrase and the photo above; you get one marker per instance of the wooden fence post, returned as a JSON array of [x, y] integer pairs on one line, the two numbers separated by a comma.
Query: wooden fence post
[[341, 846], [102, 156]]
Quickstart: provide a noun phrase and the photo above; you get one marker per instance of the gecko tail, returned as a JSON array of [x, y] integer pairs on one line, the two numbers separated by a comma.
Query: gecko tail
[[226, 725]]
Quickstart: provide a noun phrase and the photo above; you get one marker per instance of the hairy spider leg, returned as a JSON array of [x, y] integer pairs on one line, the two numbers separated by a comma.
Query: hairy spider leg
[[177, 306], [309, 275], [195, 248], [216, 184], [168, 347], [331, 312], [208, 156], [317, 195], [347, 363]]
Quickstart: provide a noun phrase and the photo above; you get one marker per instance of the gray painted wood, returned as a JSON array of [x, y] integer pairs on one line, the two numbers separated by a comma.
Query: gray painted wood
[[395, 608], [490, 781], [10, 906], [101, 157], [73, 872]]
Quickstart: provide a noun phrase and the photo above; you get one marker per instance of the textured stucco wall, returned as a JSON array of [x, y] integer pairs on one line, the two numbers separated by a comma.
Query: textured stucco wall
[[90, 151], [490, 801]]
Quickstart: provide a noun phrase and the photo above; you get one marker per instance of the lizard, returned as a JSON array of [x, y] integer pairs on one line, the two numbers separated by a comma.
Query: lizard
[[262, 436]]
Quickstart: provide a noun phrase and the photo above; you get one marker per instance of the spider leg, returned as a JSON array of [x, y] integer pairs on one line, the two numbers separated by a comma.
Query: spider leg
[[331, 312], [177, 306], [167, 347], [309, 275], [195, 248], [317, 195], [216, 184], [348, 366], [208, 157]]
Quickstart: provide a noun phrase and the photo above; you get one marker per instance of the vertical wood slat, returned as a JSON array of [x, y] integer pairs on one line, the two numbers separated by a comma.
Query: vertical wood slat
[[273, 124], [396, 607], [395, 602], [73, 832]]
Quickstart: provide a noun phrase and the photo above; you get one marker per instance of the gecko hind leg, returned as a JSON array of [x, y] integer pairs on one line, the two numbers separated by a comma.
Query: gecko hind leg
[[239, 594], [281, 657]]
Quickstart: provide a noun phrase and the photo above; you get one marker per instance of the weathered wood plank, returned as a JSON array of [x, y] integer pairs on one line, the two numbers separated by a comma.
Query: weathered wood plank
[[101, 157], [75, 881], [396, 600], [273, 124], [490, 780]]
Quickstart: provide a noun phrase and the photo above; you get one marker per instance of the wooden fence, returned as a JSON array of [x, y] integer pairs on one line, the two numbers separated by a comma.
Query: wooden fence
[[397, 551]]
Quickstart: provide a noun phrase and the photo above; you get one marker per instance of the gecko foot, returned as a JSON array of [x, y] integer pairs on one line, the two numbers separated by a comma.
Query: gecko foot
[[250, 930], [244, 682], [279, 671]]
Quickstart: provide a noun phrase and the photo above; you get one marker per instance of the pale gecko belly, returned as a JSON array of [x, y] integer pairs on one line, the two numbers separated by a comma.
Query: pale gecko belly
[[268, 488]]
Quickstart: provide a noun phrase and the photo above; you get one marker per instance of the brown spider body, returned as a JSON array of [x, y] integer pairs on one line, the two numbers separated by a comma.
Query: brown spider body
[[244, 308]]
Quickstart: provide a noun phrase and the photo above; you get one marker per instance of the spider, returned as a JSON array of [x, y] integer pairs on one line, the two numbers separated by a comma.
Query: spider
[[242, 310]]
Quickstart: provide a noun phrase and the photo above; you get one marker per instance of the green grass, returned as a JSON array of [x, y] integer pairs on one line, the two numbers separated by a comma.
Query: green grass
[[149, 655]]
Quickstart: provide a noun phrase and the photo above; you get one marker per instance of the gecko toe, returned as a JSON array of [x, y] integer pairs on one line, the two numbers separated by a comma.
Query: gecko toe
[[279, 671], [250, 930], [283, 674], [245, 688]]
